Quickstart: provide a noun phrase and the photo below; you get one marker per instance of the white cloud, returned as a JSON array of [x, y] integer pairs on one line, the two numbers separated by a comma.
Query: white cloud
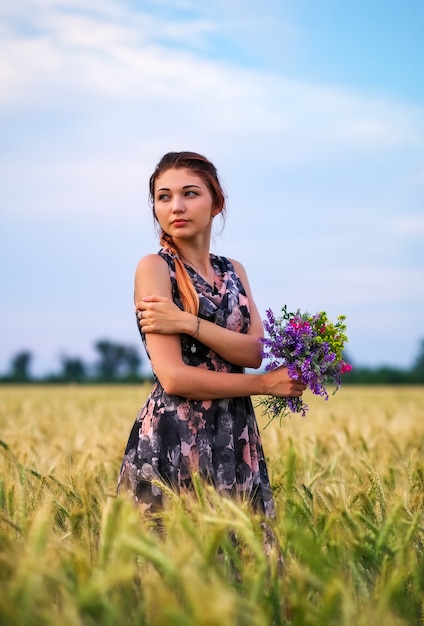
[[408, 225], [110, 50], [82, 52], [357, 285], [320, 178]]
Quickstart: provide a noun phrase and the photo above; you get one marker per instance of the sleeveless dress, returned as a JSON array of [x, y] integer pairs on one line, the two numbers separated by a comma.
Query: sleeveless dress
[[173, 437]]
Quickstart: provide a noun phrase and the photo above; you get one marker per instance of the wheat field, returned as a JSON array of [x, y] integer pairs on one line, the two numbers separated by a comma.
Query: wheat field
[[349, 489]]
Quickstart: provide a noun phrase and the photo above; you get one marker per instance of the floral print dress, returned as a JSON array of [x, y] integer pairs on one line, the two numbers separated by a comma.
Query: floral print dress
[[173, 437]]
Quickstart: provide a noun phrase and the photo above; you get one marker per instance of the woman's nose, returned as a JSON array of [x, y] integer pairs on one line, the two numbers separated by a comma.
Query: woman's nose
[[178, 203]]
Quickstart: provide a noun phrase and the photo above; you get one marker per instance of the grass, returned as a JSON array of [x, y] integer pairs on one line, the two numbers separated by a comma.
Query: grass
[[349, 490]]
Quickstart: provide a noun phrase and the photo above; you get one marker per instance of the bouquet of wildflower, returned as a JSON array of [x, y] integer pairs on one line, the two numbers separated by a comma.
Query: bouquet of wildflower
[[311, 347]]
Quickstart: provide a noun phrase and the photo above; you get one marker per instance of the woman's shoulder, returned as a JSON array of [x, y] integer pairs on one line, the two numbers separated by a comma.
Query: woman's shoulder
[[152, 276], [151, 262]]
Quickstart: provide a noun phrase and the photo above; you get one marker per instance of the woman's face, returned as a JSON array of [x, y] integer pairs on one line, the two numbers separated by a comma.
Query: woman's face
[[183, 203]]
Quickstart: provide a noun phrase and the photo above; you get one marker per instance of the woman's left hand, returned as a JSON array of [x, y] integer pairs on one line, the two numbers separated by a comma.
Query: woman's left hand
[[157, 314]]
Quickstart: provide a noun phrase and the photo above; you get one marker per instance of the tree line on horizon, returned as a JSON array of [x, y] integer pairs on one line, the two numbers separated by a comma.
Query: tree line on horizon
[[115, 363], [120, 363]]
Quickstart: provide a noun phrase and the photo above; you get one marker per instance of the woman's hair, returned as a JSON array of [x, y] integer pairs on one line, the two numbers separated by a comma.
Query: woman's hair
[[206, 170]]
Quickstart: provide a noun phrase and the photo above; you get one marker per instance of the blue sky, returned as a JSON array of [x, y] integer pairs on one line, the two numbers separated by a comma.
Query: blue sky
[[313, 113]]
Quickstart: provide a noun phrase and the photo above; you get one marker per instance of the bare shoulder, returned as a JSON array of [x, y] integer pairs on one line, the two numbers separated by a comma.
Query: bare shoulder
[[151, 262], [152, 277]]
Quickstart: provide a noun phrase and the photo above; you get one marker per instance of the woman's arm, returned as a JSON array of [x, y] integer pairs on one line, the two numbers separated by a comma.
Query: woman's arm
[[161, 315], [197, 383]]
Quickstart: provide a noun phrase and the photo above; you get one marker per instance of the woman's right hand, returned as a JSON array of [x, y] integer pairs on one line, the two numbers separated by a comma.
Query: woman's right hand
[[157, 314], [281, 384]]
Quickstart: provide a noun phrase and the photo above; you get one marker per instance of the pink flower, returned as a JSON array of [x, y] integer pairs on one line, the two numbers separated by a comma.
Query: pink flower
[[346, 367], [298, 325]]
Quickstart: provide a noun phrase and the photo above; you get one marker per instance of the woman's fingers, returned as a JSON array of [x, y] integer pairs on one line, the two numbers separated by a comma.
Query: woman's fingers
[[282, 384], [141, 303], [158, 314]]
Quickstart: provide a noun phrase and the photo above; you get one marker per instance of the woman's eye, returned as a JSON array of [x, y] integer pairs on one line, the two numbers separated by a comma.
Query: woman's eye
[[190, 192], [163, 197]]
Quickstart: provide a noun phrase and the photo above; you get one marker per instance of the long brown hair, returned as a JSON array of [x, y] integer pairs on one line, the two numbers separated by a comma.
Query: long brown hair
[[206, 170]]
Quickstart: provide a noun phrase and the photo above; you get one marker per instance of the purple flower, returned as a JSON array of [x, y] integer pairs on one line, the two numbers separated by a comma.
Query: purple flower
[[310, 347]]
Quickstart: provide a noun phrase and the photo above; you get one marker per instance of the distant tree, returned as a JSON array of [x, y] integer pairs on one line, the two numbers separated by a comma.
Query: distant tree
[[132, 362], [74, 370], [110, 359], [19, 367], [418, 366], [116, 361]]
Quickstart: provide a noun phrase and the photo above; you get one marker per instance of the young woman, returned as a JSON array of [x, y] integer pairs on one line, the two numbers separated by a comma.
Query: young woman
[[200, 328]]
